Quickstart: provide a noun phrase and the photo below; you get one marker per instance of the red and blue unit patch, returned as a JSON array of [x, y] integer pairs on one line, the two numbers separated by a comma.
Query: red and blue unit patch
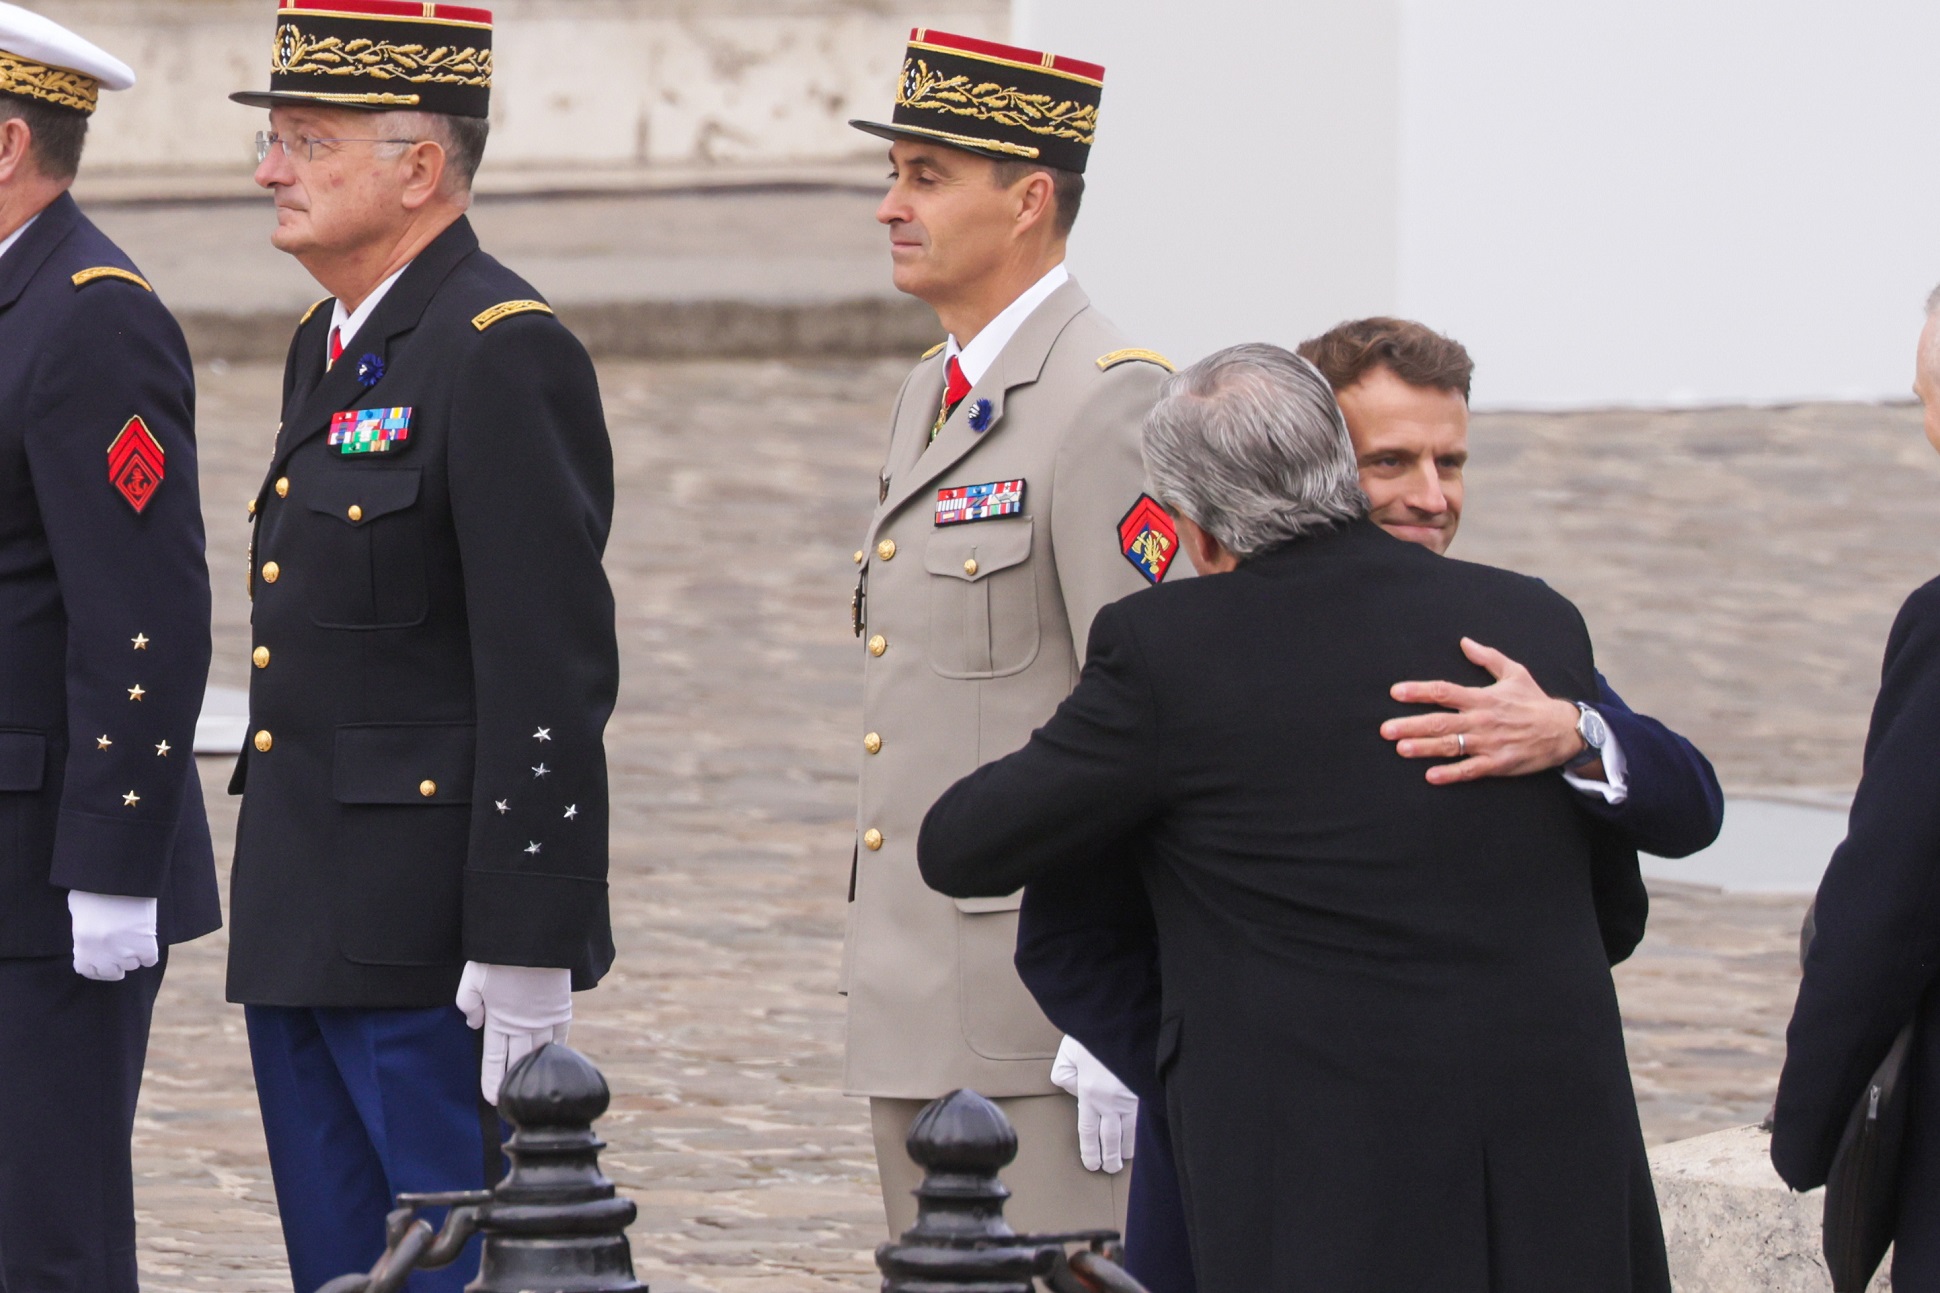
[[1148, 538], [979, 502], [136, 463], [370, 430]]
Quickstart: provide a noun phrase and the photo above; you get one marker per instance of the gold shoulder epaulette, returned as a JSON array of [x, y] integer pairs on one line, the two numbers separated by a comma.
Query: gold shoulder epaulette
[[1108, 362], [507, 310], [99, 272], [935, 350], [313, 309]]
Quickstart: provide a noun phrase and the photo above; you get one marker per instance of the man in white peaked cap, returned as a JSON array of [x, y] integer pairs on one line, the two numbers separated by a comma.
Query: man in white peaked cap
[[104, 635]]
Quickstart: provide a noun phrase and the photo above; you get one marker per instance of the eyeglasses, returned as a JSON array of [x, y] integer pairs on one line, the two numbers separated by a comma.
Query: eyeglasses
[[266, 140]]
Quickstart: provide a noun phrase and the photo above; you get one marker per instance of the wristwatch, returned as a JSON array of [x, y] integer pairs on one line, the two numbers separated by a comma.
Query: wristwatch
[[1595, 733]]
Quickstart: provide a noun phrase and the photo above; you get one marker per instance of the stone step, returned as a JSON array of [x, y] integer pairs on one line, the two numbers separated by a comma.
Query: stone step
[[1732, 1226]]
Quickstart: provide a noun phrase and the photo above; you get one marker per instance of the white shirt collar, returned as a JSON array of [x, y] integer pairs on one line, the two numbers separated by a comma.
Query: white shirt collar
[[6, 243], [976, 358], [346, 325]]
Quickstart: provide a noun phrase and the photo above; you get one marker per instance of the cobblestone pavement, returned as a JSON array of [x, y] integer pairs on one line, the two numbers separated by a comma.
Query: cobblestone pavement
[[1739, 568]]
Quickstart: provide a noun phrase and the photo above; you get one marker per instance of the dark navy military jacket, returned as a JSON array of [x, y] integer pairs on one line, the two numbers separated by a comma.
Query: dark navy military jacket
[[104, 594], [435, 662]]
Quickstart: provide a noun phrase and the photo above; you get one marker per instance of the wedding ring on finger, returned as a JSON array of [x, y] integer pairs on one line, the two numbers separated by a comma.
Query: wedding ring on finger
[[1461, 745]]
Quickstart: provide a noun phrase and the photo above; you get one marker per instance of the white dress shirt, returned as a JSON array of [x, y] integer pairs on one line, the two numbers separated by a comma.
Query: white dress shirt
[[976, 358], [1614, 787], [344, 326], [6, 243]]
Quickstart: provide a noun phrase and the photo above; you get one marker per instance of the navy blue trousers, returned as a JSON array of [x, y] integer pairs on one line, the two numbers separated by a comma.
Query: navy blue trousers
[[1158, 1248], [360, 1106], [71, 1053]]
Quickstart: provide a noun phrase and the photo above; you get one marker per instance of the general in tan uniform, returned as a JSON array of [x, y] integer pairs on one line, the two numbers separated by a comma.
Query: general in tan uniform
[[1011, 507]]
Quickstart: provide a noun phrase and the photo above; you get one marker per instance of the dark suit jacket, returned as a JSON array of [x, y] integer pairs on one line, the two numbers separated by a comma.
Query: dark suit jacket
[[97, 597], [425, 781], [1390, 1046], [1873, 959], [1087, 949], [1675, 806]]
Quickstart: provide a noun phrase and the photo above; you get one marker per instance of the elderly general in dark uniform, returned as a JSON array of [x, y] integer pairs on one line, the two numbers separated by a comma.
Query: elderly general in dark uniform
[[423, 840], [104, 652], [1388, 1041]]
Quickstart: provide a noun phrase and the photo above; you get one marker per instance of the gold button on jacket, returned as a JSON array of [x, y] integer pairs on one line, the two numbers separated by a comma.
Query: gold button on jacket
[[261, 656], [282, 486], [989, 619], [427, 788], [355, 513], [872, 743], [264, 741], [271, 572], [886, 550]]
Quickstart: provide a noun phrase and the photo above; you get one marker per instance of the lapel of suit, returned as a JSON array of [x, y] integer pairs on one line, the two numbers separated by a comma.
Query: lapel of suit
[[914, 420], [402, 307], [24, 258], [1020, 363]]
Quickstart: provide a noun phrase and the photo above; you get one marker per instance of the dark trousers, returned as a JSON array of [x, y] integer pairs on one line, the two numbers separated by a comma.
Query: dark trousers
[[360, 1106], [71, 1053], [1158, 1249]]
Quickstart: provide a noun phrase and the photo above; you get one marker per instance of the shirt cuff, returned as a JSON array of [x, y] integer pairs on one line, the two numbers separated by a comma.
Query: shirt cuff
[[1614, 787]]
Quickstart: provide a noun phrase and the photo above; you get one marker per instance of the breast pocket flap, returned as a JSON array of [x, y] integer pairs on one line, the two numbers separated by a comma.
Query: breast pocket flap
[[979, 549], [361, 496], [404, 763], [23, 761]]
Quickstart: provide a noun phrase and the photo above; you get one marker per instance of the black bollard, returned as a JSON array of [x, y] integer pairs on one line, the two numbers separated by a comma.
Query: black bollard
[[961, 1242], [553, 1225]]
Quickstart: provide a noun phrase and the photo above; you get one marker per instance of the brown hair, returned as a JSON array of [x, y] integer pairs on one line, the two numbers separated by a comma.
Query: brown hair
[[1068, 186], [1417, 354]]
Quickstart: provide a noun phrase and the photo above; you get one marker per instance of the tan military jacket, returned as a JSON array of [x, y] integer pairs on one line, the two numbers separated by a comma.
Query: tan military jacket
[[971, 634]]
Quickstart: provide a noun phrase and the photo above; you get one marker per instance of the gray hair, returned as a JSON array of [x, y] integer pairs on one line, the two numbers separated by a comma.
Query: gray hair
[[1250, 444], [462, 138]]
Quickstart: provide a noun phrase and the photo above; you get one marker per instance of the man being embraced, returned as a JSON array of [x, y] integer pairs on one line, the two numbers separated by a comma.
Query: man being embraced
[[1390, 1043]]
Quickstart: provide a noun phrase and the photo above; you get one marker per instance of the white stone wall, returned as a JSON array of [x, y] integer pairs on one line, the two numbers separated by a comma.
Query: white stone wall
[[601, 84], [1730, 1223]]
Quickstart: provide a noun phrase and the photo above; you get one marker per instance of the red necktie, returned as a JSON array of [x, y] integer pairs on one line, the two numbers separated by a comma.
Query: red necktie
[[959, 385], [336, 346]]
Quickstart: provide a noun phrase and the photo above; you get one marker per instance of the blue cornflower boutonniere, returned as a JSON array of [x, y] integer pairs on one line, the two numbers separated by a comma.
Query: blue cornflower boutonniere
[[370, 370], [980, 416]]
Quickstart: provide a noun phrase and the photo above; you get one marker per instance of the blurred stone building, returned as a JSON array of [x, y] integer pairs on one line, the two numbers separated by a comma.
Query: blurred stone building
[[590, 92]]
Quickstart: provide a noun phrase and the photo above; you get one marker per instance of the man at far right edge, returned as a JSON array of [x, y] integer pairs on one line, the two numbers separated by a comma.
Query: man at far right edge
[[1877, 945]]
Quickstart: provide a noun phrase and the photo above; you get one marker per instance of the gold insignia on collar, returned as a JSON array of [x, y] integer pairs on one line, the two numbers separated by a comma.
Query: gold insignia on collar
[[311, 311], [99, 272], [507, 310], [935, 350], [1108, 362]]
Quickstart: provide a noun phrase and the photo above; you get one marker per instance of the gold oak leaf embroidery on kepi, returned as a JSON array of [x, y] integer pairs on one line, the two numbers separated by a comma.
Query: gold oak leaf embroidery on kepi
[[1041, 114], [418, 64]]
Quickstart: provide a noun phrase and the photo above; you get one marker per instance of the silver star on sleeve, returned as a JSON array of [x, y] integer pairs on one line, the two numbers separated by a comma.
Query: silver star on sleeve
[[503, 805], [541, 770], [543, 734], [533, 847], [572, 812]]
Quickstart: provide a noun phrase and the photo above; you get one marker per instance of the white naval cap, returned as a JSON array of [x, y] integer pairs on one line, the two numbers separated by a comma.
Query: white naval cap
[[40, 59]]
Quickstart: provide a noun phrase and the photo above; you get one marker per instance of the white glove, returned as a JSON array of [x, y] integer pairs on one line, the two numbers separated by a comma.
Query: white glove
[[1107, 1109], [112, 934], [520, 1007]]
